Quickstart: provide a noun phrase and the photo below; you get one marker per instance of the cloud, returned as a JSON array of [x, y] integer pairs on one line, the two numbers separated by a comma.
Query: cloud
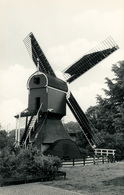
[[107, 23], [86, 17], [13, 81], [86, 97], [14, 95], [65, 55], [8, 109]]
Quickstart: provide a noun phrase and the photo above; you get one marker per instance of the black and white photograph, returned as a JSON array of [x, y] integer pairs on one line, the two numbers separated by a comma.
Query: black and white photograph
[[61, 97]]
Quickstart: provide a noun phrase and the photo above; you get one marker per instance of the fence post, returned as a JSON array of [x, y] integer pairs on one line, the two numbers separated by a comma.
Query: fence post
[[108, 159], [94, 160], [73, 161], [102, 159], [84, 161]]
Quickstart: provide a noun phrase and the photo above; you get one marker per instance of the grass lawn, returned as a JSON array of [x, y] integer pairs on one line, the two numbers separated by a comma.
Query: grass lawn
[[99, 179]]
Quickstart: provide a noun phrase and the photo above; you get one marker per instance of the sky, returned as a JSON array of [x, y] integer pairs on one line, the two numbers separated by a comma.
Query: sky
[[65, 30]]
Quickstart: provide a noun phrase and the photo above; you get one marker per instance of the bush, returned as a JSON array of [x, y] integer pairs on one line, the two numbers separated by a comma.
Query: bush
[[27, 163]]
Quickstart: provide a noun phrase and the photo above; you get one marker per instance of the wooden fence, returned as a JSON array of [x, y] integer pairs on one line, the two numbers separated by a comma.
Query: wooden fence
[[87, 161]]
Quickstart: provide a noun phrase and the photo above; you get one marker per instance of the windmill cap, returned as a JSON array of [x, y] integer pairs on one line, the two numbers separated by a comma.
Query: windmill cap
[[40, 79]]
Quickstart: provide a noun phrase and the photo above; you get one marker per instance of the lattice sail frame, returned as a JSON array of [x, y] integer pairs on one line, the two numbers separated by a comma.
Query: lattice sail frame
[[87, 128], [37, 54], [90, 59]]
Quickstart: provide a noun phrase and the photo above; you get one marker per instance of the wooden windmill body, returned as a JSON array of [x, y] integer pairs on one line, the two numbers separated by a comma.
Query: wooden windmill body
[[47, 100]]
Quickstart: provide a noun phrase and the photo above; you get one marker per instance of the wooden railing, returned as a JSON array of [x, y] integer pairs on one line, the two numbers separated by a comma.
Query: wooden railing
[[88, 161]]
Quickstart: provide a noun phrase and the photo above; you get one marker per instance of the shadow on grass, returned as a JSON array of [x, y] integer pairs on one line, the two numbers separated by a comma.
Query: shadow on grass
[[118, 181]]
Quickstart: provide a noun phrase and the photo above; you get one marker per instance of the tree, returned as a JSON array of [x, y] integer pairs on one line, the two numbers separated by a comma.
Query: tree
[[3, 139], [108, 115], [115, 94], [72, 127]]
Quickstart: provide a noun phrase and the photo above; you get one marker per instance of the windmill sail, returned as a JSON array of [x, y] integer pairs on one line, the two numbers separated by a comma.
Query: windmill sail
[[89, 60], [89, 133], [37, 55]]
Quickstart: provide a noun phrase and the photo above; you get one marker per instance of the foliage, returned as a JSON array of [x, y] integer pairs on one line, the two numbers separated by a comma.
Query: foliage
[[3, 139], [27, 163], [7, 139], [83, 145], [108, 115], [72, 127]]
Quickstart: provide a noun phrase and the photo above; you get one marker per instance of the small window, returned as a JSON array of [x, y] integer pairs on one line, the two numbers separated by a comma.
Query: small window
[[37, 80]]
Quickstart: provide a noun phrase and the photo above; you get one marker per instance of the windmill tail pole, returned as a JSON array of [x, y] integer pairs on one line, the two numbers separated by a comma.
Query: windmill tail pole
[[16, 134], [17, 131]]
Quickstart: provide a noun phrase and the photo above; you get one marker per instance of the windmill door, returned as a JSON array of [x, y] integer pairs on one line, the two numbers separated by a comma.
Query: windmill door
[[37, 103]]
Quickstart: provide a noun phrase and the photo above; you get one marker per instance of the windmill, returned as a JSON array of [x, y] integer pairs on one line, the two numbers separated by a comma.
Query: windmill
[[47, 100]]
